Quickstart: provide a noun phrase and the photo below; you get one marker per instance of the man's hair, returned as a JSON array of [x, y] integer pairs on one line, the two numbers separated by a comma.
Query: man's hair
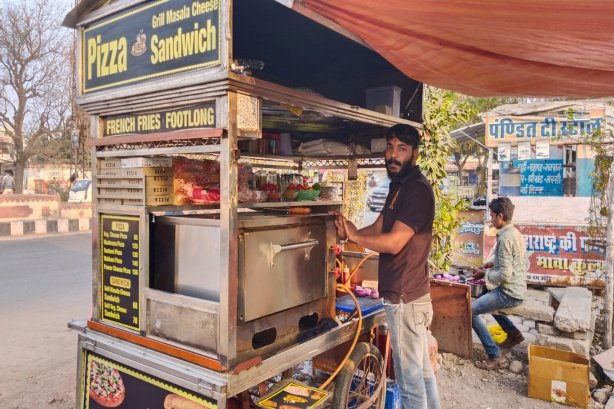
[[10, 172], [502, 205], [404, 133]]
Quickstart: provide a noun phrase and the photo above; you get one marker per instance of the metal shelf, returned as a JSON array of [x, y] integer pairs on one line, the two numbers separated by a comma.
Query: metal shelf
[[326, 162], [304, 203], [185, 210]]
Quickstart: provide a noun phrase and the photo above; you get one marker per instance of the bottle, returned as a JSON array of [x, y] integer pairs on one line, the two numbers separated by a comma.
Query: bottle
[[346, 274]]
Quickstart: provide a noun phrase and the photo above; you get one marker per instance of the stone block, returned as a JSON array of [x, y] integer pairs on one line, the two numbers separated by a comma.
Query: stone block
[[529, 323], [566, 344], [516, 320], [529, 337], [537, 295], [522, 327], [547, 329], [40, 226], [610, 404], [556, 295], [575, 335], [574, 312], [17, 228], [533, 310], [62, 225]]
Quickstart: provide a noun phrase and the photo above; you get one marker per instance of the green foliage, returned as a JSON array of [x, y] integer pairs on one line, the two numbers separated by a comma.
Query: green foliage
[[598, 211], [443, 112], [56, 187]]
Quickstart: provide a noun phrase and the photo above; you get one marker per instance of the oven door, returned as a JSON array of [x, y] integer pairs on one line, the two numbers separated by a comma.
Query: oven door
[[281, 268]]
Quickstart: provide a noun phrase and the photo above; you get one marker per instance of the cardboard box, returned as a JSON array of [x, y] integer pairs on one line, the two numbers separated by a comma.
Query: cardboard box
[[558, 376], [378, 145], [110, 163], [386, 100], [147, 162], [135, 172]]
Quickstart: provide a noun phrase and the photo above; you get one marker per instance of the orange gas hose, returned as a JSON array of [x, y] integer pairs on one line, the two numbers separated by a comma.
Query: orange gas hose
[[365, 258], [345, 288]]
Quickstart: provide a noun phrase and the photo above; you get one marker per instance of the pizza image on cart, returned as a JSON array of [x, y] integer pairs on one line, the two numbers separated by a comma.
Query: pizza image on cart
[[106, 385]]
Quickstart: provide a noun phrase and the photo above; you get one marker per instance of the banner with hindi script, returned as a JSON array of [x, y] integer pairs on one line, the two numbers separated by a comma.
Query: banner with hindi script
[[514, 129], [558, 253], [541, 177]]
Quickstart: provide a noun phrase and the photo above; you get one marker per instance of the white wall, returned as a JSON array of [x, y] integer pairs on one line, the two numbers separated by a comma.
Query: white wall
[[568, 211]]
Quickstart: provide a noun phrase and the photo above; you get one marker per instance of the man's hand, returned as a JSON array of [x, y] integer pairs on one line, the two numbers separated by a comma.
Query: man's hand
[[490, 264], [350, 229], [341, 233], [477, 273]]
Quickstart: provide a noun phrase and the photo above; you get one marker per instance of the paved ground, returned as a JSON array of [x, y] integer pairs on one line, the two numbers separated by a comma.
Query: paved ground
[[44, 283]]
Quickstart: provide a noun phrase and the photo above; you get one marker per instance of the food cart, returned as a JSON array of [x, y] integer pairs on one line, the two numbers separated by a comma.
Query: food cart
[[195, 302]]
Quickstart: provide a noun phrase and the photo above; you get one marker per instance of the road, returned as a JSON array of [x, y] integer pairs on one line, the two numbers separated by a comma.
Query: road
[[44, 283]]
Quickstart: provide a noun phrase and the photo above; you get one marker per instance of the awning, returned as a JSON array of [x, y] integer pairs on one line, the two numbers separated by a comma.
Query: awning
[[486, 47]]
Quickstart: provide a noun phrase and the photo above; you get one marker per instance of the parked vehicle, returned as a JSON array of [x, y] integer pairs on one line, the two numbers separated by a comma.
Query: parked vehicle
[[81, 191], [377, 197], [480, 201]]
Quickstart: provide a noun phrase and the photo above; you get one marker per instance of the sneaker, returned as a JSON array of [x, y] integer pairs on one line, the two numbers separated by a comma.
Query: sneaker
[[513, 338]]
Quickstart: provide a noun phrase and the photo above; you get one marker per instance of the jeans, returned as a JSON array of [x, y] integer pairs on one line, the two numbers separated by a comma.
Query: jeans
[[489, 302], [409, 340]]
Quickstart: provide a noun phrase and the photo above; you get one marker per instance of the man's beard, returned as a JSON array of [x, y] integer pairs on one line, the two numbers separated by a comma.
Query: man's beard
[[405, 168]]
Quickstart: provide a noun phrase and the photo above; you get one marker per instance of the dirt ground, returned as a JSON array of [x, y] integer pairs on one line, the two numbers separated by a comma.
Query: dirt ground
[[45, 377]]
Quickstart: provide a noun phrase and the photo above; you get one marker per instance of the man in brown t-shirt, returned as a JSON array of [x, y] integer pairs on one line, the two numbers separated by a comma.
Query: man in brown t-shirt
[[402, 235]]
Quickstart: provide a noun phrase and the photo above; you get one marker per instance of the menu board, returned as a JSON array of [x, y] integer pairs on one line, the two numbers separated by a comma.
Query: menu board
[[119, 269], [107, 383]]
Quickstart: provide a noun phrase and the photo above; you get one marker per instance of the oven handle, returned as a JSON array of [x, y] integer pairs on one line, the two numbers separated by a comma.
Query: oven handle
[[278, 248]]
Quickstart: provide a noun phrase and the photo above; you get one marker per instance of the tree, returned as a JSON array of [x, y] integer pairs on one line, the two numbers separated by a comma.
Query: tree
[[443, 111], [470, 148], [35, 78]]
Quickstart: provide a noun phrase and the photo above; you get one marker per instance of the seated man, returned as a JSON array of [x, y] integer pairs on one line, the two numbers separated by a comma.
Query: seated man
[[506, 281]]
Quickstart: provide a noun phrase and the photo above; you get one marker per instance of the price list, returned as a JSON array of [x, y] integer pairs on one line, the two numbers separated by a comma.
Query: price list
[[119, 268]]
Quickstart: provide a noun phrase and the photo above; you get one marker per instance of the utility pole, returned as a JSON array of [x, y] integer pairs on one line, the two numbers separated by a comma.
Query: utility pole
[[609, 264]]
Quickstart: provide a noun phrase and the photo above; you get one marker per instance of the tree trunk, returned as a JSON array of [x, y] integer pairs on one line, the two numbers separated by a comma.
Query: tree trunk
[[20, 166], [609, 264]]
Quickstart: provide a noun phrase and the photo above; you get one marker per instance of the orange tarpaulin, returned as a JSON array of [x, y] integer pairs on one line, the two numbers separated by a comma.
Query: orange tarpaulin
[[488, 47]]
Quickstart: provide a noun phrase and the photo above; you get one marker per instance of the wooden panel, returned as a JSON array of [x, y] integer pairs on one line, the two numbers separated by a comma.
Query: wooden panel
[[451, 324]]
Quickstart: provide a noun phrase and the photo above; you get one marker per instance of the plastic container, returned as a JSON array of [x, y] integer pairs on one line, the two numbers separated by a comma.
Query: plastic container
[[386, 100], [305, 195], [393, 395]]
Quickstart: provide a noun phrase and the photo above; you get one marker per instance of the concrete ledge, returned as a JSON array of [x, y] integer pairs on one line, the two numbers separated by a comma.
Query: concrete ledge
[[44, 227]]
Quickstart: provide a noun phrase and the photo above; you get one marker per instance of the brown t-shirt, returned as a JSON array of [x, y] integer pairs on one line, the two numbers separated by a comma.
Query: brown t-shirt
[[404, 277]]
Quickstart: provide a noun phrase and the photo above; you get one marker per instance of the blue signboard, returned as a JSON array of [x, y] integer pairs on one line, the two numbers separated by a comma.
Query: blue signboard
[[541, 177]]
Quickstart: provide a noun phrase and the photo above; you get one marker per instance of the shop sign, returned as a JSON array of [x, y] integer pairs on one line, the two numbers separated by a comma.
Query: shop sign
[[119, 269], [105, 383], [468, 247], [148, 41], [512, 129], [562, 251], [199, 116], [541, 177], [542, 149]]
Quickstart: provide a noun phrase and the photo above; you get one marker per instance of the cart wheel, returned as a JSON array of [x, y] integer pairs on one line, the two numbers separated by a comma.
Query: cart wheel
[[359, 378]]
